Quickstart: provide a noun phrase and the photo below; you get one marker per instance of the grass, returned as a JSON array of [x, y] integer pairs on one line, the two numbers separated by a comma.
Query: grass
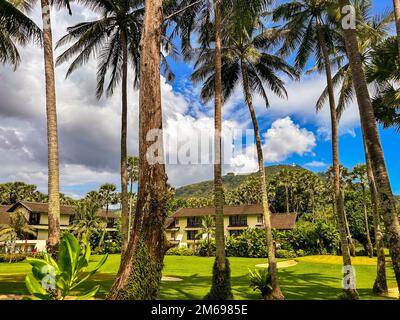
[[314, 277]]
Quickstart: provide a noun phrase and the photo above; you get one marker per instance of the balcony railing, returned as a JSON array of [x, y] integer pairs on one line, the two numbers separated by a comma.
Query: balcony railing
[[238, 224], [194, 225]]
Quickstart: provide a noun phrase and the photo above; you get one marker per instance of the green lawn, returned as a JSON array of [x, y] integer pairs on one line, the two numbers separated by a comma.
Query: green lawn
[[316, 277]]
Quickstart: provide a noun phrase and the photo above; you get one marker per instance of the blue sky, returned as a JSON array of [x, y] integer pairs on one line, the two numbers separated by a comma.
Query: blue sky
[[351, 147], [89, 129]]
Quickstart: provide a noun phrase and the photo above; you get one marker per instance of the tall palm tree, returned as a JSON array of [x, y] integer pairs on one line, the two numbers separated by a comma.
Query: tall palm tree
[[396, 4], [114, 39], [133, 176], [207, 229], [359, 174], [207, 17], [245, 59], [15, 29], [108, 195], [86, 219], [370, 132], [309, 33]]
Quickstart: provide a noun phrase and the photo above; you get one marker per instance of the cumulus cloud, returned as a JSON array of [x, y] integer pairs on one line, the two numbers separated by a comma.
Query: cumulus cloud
[[316, 164]]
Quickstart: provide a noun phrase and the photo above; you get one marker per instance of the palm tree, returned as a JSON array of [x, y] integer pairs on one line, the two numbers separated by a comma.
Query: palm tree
[[359, 174], [308, 32], [199, 18], [86, 219], [208, 229], [396, 4], [108, 195], [114, 38], [245, 58], [17, 228], [15, 29], [133, 176], [370, 132]]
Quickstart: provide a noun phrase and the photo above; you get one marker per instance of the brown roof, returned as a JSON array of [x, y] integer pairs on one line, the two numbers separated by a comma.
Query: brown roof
[[42, 207], [168, 222], [278, 220], [4, 217], [4, 207]]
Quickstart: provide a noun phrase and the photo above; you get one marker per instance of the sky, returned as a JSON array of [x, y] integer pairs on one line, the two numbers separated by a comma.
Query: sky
[[89, 130]]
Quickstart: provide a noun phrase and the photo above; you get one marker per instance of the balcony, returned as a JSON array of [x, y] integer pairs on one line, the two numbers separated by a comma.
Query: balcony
[[194, 225], [238, 225]]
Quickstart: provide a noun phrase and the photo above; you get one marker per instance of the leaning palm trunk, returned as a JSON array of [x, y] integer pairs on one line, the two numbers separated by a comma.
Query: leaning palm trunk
[[124, 153], [221, 288], [139, 274], [352, 247], [396, 4], [52, 134], [369, 242], [380, 284], [276, 292], [348, 291], [369, 127]]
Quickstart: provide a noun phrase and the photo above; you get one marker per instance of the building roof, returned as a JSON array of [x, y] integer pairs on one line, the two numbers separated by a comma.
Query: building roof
[[4, 217], [42, 207], [278, 220], [4, 207]]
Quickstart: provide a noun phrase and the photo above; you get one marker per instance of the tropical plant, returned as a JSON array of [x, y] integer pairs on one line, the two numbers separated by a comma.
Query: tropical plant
[[56, 280], [370, 132], [108, 195], [261, 280], [207, 229], [86, 220], [15, 29]]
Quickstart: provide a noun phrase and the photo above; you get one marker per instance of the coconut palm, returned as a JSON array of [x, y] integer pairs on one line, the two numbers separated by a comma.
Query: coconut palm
[[133, 176], [310, 34], [396, 4], [207, 229], [114, 39], [17, 228], [370, 132], [16, 29], [207, 17], [86, 219], [108, 195], [359, 174], [246, 59]]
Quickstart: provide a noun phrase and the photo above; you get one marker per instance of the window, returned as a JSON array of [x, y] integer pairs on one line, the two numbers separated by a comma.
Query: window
[[173, 235], [192, 235], [194, 222], [260, 219], [238, 221], [34, 218], [110, 223]]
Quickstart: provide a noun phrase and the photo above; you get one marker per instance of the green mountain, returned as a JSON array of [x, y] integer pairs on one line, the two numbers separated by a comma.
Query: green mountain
[[231, 181]]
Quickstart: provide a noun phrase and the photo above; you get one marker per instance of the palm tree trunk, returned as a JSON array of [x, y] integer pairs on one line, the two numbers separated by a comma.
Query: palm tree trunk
[[124, 151], [387, 203], [380, 284], [369, 242], [52, 134], [352, 247], [220, 289], [396, 4], [130, 209], [139, 274], [349, 292], [276, 293]]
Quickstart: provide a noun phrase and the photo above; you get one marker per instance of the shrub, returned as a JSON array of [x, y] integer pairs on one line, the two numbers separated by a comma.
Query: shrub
[[261, 280], [280, 253], [12, 257], [182, 251], [251, 243], [206, 249]]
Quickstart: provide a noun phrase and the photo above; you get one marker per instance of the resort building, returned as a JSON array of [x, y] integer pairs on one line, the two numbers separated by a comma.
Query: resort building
[[36, 214], [183, 226]]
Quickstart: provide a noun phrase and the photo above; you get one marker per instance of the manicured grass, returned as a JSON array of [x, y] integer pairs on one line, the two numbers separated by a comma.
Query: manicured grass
[[315, 277]]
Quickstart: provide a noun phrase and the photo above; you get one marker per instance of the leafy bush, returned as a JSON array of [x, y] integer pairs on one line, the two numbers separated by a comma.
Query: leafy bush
[[51, 280], [288, 254], [261, 280], [251, 243], [12, 257], [182, 251], [206, 249]]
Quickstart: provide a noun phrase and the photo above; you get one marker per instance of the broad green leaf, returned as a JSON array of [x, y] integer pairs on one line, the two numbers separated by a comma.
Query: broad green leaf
[[89, 294], [35, 287]]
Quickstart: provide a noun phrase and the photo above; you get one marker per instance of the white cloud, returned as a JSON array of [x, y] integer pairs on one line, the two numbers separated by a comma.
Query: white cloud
[[316, 164], [285, 138]]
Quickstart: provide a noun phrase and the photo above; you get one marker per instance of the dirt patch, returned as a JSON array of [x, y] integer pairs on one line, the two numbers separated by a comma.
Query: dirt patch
[[11, 297], [393, 293], [280, 265]]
